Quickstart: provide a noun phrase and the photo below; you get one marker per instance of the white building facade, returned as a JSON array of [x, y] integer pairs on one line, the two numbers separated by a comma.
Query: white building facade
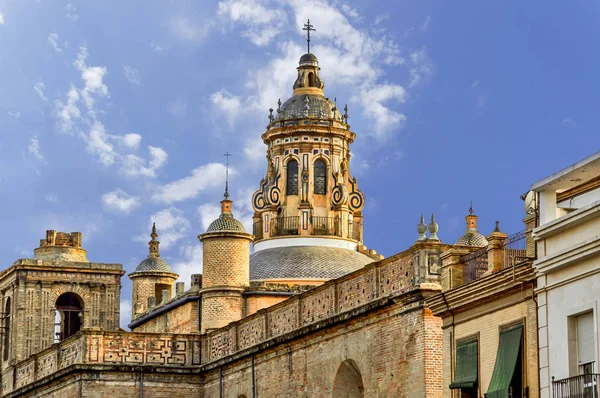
[[568, 278]]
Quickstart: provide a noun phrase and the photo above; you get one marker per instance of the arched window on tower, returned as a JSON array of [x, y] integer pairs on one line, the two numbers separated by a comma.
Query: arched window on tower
[[69, 316], [6, 327], [320, 170], [292, 178], [311, 80]]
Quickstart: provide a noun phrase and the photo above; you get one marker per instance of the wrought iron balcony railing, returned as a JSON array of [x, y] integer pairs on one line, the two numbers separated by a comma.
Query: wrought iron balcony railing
[[257, 230], [326, 226], [282, 226], [582, 386]]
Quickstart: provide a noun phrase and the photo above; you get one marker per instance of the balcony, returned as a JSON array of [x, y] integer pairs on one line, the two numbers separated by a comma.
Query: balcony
[[582, 386], [326, 226], [282, 226]]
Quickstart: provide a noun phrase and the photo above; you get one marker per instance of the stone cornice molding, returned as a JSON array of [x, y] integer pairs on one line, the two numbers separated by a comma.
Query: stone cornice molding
[[567, 221], [570, 255]]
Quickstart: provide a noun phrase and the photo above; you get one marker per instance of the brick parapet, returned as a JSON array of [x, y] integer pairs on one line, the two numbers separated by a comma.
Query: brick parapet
[[103, 348], [391, 278]]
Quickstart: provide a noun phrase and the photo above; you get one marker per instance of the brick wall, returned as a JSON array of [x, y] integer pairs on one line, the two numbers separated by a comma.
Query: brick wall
[[389, 346], [226, 262], [183, 319]]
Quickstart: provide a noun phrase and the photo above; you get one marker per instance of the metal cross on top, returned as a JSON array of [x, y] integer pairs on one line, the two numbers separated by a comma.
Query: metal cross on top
[[308, 27], [227, 156]]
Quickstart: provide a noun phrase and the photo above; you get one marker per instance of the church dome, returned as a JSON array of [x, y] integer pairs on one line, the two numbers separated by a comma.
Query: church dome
[[308, 105], [308, 58], [156, 264], [305, 262], [226, 223]]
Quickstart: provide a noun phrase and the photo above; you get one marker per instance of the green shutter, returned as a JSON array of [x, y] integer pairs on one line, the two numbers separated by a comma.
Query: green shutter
[[506, 360], [465, 375]]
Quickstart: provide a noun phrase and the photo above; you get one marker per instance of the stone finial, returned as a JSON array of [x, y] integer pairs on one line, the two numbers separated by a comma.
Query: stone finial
[[271, 117], [165, 295], [422, 229], [279, 105], [153, 244], [497, 229], [433, 229], [346, 113], [179, 288]]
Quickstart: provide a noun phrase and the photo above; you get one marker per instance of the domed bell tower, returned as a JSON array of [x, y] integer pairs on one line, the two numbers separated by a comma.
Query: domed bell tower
[[308, 196], [225, 269], [152, 280]]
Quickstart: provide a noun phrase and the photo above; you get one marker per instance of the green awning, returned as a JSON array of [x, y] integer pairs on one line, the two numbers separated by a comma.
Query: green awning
[[506, 361], [465, 375]]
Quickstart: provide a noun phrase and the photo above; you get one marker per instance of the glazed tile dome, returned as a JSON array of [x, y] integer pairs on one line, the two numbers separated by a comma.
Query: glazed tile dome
[[472, 239], [155, 264], [318, 107], [226, 223], [305, 262]]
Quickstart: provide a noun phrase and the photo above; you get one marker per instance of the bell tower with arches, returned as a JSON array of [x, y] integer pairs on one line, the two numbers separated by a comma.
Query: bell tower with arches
[[50, 297]]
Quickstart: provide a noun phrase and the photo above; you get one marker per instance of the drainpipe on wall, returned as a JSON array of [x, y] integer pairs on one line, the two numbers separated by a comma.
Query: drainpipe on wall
[[221, 382], [253, 379], [141, 382]]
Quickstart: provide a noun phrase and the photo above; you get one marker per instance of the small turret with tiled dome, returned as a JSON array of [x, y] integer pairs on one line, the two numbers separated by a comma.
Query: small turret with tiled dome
[[472, 237], [153, 279], [153, 262], [225, 266]]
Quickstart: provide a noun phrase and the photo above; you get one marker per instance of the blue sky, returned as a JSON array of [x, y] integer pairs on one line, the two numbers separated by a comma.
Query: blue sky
[[114, 114]]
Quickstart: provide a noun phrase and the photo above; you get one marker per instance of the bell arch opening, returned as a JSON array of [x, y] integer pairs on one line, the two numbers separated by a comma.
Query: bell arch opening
[[69, 316], [348, 381], [311, 80]]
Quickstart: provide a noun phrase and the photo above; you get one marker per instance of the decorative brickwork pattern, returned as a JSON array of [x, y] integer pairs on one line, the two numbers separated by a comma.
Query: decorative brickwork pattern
[[251, 332], [284, 319]]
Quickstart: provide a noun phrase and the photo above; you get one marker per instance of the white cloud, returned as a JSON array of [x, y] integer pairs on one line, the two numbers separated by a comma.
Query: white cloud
[[131, 140], [385, 119], [422, 68], [202, 178], [92, 77], [261, 24], [568, 123], [68, 112], [425, 24], [71, 12], [35, 150], [120, 201], [171, 226], [157, 47], [208, 213], [134, 165], [132, 74], [177, 108], [1, 18], [39, 90], [14, 113], [185, 29], [363, 54], [97, 144], [350, 12], [51, 198], [190, 264], [228, 104], [53, 40]]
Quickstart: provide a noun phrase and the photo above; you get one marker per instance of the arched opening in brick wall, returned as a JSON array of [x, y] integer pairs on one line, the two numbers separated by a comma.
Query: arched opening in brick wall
[[69, 316], [348, 381], [6, 327], [242, 396]]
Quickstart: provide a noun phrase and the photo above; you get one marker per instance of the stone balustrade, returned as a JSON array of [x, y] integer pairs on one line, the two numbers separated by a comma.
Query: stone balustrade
[[94, 347], [390, 277]]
